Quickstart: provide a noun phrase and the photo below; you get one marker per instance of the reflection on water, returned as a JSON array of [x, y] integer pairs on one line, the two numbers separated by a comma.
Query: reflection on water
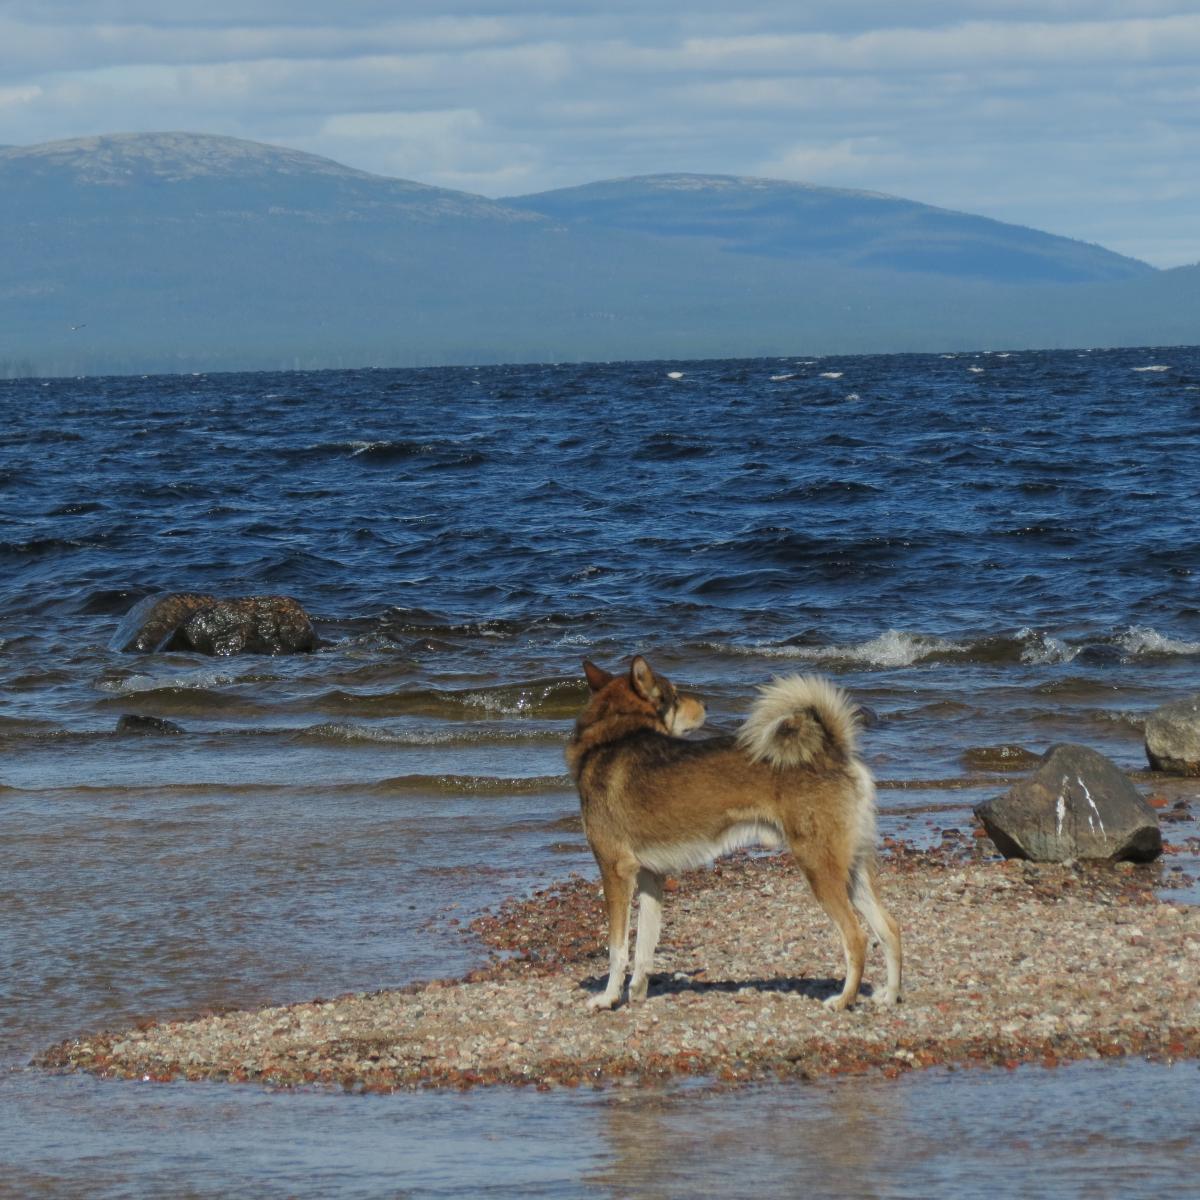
[[1086, 1130], [1091, 1130]]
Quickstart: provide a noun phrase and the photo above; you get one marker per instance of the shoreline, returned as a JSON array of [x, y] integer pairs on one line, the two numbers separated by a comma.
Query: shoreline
[[1006, 963]]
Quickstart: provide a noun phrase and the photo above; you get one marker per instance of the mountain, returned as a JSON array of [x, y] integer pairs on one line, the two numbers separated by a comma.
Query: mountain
[[854, 229], [179, 252], [197, 175]]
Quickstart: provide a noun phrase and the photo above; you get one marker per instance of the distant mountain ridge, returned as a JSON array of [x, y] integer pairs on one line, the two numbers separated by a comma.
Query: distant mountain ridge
[[199, 170], [179, 251], [856, 228]]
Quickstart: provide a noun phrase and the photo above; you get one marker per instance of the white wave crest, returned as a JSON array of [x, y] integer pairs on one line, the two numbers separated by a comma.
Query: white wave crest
[[1139, 640], [338, 731], [193, 681], [832, 374], [1042, 650], [894, 648], [1154, 367]]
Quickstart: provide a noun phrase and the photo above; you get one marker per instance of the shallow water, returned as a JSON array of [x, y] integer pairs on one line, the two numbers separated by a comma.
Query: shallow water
[[988, 557], [1080, 1131]]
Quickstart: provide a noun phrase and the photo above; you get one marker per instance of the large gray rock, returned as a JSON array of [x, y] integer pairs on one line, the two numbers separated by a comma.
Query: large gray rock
[[1173, 737], [1077, 804], [208, 625]]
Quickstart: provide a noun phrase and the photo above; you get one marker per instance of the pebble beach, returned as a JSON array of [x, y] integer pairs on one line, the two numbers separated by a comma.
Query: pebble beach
[[1006, 963]]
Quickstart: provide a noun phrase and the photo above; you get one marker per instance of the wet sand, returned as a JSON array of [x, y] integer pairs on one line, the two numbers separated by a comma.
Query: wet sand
[[1006, 963]]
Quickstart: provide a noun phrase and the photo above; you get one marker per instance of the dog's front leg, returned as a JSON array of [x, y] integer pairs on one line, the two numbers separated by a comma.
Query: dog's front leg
[[650, 893], [618, 892]]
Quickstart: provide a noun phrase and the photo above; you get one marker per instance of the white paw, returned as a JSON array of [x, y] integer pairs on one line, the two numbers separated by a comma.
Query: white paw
[[602, 1002], [885, 999], [837, 1003]]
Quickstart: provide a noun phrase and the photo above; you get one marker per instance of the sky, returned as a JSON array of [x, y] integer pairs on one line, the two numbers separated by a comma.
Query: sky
[[1080, 117]]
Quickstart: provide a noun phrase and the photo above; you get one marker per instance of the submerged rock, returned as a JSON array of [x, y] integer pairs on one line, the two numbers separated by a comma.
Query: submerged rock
[[208, 625], [1173, 737], [251, 625], [153, 624], [1000, 758], [155, 726], [1078, 804]]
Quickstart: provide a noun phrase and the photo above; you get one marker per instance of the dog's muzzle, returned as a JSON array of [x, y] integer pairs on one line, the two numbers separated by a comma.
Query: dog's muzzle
[[685, 715]]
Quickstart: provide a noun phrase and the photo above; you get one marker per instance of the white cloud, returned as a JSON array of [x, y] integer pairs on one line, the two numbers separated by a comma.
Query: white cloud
[[975, 44], [849, 161], [16, 97]]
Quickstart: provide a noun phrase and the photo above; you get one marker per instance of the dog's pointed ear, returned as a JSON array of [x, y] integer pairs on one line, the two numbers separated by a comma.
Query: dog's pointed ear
[[595, 676], [642, 679]]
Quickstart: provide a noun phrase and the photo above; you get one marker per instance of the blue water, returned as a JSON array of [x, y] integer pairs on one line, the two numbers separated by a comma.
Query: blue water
[[986, 549]]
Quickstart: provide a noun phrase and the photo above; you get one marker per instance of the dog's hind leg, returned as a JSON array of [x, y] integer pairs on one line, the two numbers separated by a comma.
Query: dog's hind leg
[[830, 885], [881, 924], [650, 893], [618, 892]]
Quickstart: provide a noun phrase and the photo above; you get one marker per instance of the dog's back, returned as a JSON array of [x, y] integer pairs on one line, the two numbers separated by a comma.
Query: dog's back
[[791, 773]]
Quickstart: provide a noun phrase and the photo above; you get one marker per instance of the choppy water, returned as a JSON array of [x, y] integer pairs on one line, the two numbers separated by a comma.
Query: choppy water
[[993, 549]]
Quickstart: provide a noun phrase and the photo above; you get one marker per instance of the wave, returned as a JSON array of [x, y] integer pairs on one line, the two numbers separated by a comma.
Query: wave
[[670, 447], [1029, 647], [40, 546], [1139, 641], [382, 452], [138, 685], [18, 728], [831, 488], [546, 699], [437, 785], [401, 623], [368, 735], [184, 701], [478, 785], [895, 648], [1156, 367], [1040, 649], [195, 693]]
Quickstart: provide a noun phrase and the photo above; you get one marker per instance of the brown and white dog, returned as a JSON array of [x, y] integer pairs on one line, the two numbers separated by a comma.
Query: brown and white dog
[[655, 803]]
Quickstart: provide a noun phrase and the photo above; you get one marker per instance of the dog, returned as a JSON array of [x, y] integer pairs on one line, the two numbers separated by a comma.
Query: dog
[[654, 802]]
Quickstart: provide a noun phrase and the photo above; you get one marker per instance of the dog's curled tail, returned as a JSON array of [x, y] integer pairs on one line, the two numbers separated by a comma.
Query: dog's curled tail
[[801, 721]]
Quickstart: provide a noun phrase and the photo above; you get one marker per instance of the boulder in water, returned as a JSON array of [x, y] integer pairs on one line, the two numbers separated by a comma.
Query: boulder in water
[[251, 625], [1173, 737], [208, 625], [1077, 805]]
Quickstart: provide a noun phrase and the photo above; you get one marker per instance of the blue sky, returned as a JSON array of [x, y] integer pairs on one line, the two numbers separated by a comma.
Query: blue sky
[[1082, 118]]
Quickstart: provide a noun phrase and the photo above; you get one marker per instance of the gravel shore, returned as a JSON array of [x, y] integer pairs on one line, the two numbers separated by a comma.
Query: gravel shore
[[1005, 963]]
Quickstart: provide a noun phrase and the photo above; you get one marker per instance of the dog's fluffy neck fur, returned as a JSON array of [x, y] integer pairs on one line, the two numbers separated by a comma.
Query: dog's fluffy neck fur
[[604, 731]]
